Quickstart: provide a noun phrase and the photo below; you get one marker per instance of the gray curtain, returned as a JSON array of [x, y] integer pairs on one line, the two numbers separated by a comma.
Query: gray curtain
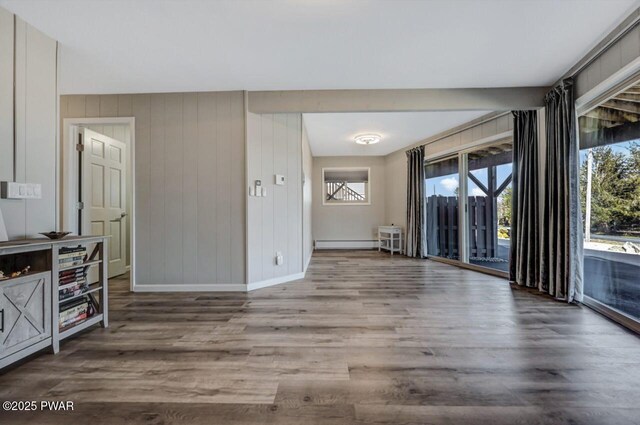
[[561, 230], [524, 267], [416, 234]]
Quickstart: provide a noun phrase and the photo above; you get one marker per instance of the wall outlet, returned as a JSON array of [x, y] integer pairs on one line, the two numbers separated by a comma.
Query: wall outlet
[[279, 259], [280, 180]]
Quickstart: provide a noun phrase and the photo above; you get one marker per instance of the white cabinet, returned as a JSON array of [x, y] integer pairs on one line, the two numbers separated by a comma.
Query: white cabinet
[[25, 314], [391, 238]]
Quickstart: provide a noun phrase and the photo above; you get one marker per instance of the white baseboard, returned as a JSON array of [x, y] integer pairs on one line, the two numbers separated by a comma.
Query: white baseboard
[[205, 287], [363, 244], [275, 281]]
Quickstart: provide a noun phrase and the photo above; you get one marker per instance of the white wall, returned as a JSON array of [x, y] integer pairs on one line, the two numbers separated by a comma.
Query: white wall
[[35, 124], [349, 222], [190, 185], [121, 132], [307, 197], [274, 224]]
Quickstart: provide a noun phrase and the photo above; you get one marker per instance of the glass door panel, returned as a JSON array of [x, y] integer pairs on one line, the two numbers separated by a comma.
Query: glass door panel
[[442, 182], [489, 206], [610, 201]]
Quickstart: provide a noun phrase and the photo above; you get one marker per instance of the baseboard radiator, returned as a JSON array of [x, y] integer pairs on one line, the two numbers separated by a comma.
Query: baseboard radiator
[[346, 244]]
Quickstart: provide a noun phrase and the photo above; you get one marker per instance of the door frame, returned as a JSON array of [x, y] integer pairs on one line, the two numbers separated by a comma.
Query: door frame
[[461, 154], [70, 175]]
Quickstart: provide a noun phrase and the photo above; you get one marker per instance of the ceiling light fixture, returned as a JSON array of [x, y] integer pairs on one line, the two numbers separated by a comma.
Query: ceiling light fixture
[[367, 139]]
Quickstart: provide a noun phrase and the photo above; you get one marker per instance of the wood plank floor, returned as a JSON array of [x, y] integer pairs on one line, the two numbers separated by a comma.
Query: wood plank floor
[[364, 339]]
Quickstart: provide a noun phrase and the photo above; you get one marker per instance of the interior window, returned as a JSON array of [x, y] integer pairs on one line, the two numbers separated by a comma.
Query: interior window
[[345, 186]]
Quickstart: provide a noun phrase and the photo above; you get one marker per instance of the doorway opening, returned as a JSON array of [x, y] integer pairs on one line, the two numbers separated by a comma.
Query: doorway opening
[[98, 186]]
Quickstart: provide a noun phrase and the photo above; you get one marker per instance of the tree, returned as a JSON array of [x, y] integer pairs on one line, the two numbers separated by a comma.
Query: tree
[[504, 206], [615, 187]]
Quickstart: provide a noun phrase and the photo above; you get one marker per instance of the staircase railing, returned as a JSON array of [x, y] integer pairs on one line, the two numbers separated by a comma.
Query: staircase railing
[[340, 191]]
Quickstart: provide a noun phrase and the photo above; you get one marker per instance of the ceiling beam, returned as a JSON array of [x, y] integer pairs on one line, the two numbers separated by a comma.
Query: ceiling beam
[[622, 106], [601, 115], [400, 100]]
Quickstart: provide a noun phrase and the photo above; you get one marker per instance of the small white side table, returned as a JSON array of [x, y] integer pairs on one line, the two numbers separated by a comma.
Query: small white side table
[[390, 238]]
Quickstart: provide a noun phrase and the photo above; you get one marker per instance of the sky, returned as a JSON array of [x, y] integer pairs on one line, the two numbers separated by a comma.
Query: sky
[[446, 185]]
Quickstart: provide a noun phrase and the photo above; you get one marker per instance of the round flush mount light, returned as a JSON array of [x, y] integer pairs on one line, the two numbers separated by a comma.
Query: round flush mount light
[[367, 139]]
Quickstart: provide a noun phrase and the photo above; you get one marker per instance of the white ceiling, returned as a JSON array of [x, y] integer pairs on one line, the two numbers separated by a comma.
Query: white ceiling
[[116, 46], [332, 134]]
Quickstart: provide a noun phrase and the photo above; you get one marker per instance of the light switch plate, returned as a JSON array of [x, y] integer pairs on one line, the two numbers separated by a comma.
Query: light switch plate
[[13, 190], [280, 179]]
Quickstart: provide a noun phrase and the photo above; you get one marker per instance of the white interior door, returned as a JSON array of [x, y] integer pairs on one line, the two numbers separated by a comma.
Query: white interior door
[[103, 192]]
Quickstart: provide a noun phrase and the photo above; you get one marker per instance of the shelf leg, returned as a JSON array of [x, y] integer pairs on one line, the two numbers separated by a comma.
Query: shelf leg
[[104, 277]]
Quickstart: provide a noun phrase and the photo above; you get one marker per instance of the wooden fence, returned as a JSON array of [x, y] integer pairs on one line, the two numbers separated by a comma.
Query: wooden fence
[[442, 226]]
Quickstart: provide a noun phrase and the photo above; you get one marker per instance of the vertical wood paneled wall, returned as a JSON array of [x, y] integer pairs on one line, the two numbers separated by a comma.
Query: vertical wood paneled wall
[[33, 157], [623, 52], [189, 183], [274, 222]]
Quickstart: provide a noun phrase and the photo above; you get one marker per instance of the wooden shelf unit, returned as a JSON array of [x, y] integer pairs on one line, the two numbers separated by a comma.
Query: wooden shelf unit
[[30, 303], [96, 258]]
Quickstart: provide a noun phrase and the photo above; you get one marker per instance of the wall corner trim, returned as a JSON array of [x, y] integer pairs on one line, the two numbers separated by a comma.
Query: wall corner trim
[[306, 265], [275, 281]]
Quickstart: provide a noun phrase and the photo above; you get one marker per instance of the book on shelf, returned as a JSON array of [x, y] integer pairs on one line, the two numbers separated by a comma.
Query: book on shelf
[[70, 249], [72, 290], [73, 320], [77, 282], [71, 264], [71, 259], [65, 274], [71, 256], [71, 279], [62, 257], [75, 311]]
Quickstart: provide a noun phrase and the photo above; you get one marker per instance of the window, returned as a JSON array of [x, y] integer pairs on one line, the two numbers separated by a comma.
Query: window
[[610, 201], [345, 186]]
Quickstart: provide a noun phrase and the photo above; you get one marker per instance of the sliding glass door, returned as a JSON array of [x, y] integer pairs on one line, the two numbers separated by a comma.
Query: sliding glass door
[[468, 203], [610, 201]]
